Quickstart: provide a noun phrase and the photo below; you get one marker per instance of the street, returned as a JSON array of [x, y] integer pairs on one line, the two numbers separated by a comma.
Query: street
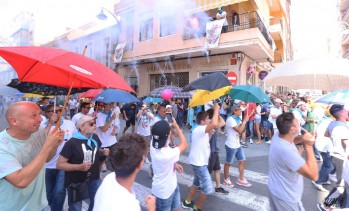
[[240, 198]]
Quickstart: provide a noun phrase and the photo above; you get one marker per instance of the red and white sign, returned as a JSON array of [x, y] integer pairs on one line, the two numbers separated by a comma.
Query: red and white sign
[[232, 77]]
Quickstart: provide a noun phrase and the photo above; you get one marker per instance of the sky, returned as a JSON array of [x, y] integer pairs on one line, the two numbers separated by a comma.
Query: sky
[[312, 20], [52, 17]]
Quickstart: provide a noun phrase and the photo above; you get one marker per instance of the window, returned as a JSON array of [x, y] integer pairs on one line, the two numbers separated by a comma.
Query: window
[[133, 82], [174, 79], [167, 25], [106, 51], [146, 28]]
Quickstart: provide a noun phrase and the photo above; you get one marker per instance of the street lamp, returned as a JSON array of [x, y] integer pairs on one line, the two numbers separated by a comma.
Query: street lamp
[[103, 16]]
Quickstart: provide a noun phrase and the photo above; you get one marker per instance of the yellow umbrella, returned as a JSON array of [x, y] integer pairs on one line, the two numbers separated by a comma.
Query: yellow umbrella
[[36, 95], [203, 96]]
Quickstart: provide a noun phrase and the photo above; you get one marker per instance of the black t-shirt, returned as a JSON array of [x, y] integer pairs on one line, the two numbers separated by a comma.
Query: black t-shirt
[[72, 150], [130, 110]]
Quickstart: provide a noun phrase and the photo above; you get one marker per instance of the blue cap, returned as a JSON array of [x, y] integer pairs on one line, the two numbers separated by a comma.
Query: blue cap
[[219, 8]]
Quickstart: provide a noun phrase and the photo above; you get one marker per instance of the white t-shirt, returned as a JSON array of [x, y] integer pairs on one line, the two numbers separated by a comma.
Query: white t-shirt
[[338, 131], [284, 181], [200, 146], [163, 163], [322, 143], [258, 112], [233, 137], [274, 111], [106, 138], [143, 124], [225, 19], [72, 103], [69, 130], [112, 196]]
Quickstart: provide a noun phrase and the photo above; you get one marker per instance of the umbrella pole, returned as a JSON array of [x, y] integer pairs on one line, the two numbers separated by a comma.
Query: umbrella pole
[[67, 97]]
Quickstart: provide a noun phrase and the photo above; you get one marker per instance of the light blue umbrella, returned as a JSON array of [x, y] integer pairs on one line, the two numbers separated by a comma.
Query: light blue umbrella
[[336, 97], [115, 95], [249, 94], [153, 100]]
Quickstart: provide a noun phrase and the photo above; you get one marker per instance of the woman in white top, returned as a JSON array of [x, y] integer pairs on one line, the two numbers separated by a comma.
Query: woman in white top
[[257, 122]]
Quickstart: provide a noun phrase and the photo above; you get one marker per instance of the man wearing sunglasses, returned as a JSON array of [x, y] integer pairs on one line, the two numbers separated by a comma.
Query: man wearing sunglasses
[[84, 109], [55, 190]]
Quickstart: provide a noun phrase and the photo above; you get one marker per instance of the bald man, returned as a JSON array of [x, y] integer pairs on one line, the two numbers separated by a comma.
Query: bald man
[[24, 150]]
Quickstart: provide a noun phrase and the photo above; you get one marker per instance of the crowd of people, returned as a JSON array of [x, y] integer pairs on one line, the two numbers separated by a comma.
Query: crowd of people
[[47, 155]]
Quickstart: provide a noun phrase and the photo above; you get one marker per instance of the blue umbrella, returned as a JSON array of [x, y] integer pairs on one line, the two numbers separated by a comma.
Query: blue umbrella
[[249, 94], [336, 97], [114, 95], [153, 100]]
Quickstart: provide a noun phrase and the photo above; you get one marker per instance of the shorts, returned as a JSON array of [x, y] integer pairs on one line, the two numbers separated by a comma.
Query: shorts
[[202, 179], [172, 203], [266, 124], [213, 163], [257, 120], [277, 204], [231, 152], [130, 122]]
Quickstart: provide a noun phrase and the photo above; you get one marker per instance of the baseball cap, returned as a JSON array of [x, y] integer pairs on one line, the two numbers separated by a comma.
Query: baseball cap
[[219, 8], [160, 133], [335, 108], [168, 106], [300, 103], [235, 107], [210, 103], [277, 100], [84, 119]]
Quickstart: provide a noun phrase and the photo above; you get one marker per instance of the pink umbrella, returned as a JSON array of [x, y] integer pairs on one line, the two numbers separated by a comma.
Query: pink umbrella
[[91, 93]]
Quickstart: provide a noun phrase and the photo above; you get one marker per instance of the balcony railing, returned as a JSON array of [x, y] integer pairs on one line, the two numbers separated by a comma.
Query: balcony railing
[[276, 21], [247, 21]]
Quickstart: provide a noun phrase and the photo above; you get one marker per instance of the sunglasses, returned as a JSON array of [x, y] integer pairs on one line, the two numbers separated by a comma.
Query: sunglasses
[[52, 111], [88, 107], [102, 105], [91, 124]]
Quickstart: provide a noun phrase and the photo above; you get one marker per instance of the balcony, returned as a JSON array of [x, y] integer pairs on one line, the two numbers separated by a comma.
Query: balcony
[[277, 29], [250, 37]]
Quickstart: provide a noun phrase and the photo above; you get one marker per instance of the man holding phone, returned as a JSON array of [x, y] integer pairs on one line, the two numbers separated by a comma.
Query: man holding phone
[[144, 119]]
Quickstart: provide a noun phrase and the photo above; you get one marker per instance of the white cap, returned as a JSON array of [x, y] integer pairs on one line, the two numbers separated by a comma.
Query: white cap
[[300, 103], [277, 100], [168, 106], [84, 119], [210, 103]]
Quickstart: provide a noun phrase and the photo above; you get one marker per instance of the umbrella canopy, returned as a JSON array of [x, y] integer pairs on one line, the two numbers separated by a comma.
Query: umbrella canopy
[[91, 93], [41, 89], [60, 68], [177, 92], [209, 82], [250, 94], [31, 95], [203, 96], [337, 97], [114, 95], [153, 100], [322, 73]]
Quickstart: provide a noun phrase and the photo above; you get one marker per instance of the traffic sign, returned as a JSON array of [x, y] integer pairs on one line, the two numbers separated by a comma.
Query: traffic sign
[[262, 74], [232, 77]]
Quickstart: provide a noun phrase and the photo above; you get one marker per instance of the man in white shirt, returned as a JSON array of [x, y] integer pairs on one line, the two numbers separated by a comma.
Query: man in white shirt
[[144, 119], [127, 158], [72, 106], [164, 162], [274, 112], [235, 128], [54, 178], [222, 15], [198, 157], [85, 108]]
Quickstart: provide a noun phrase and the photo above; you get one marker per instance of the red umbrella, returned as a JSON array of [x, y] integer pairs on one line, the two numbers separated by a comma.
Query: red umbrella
[[60, 68], [91, 93]]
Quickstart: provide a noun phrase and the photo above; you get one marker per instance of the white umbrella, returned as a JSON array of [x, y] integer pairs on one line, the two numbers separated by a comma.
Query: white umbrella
[[324, 73]]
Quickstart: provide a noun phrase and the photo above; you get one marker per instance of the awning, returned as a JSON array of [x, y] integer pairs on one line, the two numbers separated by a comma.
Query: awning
[[205, 5]]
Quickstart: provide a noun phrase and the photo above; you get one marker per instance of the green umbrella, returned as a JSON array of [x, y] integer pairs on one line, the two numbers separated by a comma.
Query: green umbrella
[[249, 94]]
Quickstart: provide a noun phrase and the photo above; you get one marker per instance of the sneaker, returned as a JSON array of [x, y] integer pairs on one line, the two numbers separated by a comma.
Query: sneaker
[[243, 182], [321, 207], [221, 190], [319, 186], [146, 160], [268, 142], [244, 145], [333, 177], [187, 205], [228, 182], [251, 141], [326, 183]]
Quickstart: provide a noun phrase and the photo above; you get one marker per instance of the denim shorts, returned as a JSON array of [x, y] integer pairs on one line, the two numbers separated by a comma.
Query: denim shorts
[[266, 124], [257, 120], [231, 152], [202, 179], [172, 203]]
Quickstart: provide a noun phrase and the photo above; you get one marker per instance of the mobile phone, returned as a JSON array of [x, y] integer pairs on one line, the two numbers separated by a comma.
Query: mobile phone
[[169, 117]]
